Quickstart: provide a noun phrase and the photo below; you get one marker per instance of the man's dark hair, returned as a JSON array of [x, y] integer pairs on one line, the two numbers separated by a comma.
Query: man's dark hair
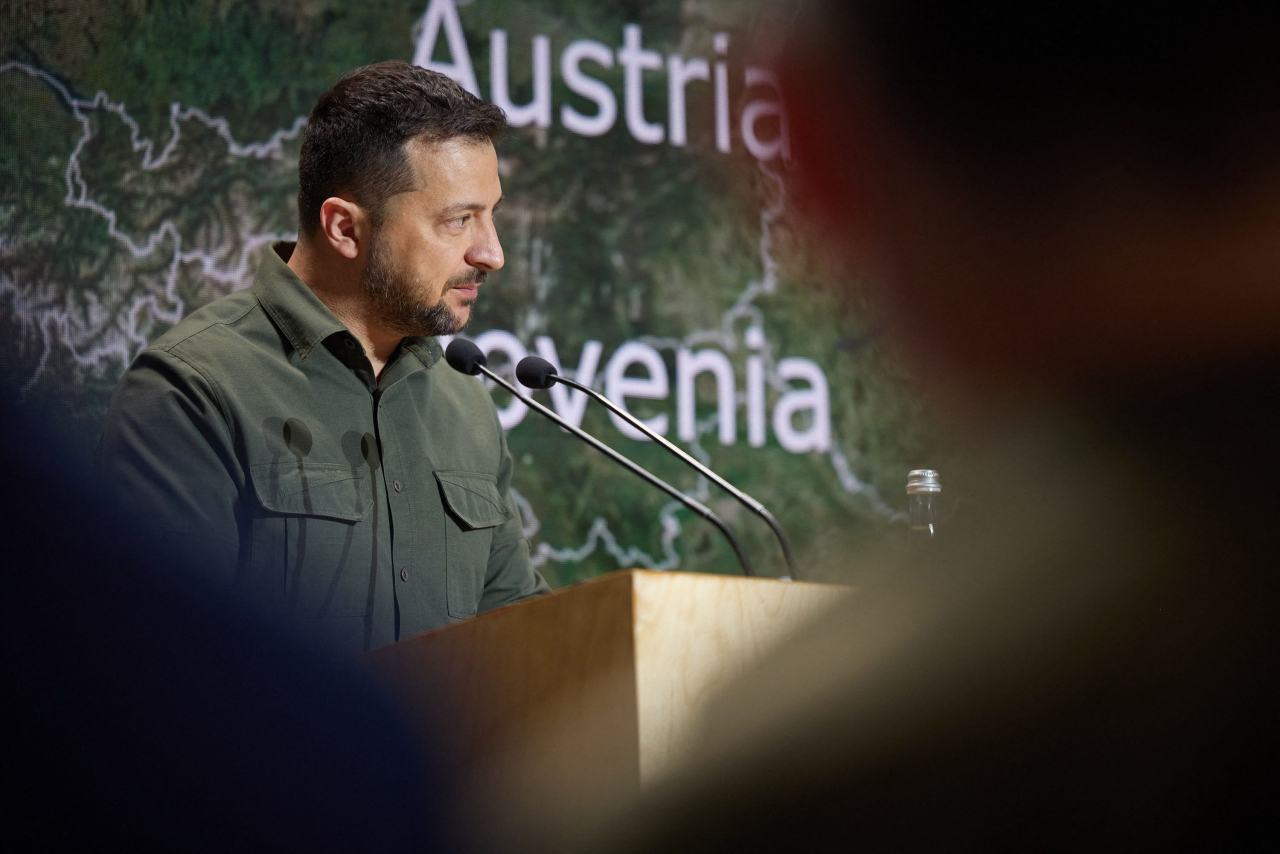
[[355, 139]]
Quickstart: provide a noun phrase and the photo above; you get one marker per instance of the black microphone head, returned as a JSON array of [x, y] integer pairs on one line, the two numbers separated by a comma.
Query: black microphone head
[[465, 356], [535, 372]]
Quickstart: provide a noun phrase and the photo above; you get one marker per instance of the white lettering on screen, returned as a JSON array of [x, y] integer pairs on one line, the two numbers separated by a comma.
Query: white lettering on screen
[[637, 371], [762, 124]]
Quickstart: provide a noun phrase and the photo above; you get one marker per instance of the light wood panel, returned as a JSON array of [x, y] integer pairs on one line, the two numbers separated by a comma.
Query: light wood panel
[[550, 711], [696, 633]]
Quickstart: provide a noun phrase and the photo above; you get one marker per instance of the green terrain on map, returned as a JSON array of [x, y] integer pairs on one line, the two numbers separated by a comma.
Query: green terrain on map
[[606, 238]]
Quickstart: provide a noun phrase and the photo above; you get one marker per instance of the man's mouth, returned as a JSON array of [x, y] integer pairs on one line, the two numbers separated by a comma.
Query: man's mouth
[[468, 285]]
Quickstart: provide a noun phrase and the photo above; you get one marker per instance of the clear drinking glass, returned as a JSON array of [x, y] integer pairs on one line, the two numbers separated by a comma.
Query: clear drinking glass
[[923, 496]]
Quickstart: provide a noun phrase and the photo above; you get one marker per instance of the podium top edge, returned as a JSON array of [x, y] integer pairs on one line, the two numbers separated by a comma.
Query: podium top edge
[[707, 577]]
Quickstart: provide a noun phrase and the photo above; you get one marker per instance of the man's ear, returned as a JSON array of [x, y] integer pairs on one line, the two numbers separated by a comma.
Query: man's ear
[[344, 225]]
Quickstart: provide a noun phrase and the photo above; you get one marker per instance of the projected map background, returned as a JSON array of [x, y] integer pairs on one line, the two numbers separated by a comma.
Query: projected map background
[[148, 156]]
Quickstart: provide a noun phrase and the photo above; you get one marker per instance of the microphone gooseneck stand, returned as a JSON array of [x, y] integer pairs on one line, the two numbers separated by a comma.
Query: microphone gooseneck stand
[[541, 374], [463, 360]]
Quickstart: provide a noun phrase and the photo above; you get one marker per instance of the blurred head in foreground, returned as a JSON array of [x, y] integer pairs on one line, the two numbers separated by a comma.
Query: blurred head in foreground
[[152, 710], [1072, 210], [1056, 198]]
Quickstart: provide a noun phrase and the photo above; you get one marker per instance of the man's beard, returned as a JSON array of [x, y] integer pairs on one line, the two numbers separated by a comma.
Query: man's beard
[[394, 302]]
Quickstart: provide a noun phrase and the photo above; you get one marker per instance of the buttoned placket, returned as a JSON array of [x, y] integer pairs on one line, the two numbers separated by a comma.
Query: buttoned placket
[[397, 490], [388, 457], [399, 453]]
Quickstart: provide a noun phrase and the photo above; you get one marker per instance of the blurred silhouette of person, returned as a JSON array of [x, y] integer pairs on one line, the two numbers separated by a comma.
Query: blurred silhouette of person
[[1073, 212], [149, 709]]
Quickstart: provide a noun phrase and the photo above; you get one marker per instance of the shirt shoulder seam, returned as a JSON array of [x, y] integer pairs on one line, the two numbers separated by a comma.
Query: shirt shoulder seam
[[213, 387], [169, 348]]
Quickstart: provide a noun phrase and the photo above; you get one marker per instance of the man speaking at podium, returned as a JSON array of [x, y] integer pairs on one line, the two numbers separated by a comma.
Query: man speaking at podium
[[303, 439]]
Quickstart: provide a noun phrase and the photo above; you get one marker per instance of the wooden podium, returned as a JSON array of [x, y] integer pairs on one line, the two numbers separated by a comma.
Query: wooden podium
[[595, 689]]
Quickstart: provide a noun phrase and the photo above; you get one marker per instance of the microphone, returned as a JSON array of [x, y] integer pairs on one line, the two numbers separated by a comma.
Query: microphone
[[464, 356], [538, 373]]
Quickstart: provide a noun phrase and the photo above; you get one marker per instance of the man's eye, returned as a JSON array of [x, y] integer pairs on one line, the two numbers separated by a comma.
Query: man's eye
[[461, 220]]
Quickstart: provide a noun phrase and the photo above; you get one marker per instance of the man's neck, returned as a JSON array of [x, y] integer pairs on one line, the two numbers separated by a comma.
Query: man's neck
[[337, 285]]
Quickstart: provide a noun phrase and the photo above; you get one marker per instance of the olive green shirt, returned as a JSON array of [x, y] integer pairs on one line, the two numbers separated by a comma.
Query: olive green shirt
[[255, 438]]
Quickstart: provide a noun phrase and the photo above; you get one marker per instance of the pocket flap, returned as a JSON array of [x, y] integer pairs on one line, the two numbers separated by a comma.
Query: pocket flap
[[473, 498], [311, 489]]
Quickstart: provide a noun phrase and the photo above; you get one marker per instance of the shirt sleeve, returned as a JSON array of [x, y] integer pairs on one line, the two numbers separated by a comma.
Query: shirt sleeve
[[167, 453], [510, 576]]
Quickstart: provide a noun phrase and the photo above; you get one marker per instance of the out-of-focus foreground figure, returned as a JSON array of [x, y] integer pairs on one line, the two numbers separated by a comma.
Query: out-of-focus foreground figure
[[150, 710], [1074, 213]]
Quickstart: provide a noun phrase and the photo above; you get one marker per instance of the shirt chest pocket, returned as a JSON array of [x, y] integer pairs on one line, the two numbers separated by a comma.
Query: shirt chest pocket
[[314, 545], [474, 507]]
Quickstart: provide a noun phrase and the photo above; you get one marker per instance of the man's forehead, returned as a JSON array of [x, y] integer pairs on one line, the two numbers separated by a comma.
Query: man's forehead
[[452, 162]]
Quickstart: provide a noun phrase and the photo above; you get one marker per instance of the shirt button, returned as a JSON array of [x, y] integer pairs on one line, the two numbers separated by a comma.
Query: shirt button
[[350, 344], [396, 484], [404, 574]]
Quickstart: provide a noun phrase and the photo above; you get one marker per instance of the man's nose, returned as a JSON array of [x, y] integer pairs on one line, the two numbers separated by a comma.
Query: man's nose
[[486, 252]]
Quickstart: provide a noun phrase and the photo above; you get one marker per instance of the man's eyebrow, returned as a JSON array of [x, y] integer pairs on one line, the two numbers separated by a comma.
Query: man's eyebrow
[[465, 207]]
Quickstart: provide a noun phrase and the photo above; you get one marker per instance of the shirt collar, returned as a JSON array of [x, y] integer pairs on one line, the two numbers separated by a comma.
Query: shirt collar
[[300, 314], [294, 307], [428, 350]]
